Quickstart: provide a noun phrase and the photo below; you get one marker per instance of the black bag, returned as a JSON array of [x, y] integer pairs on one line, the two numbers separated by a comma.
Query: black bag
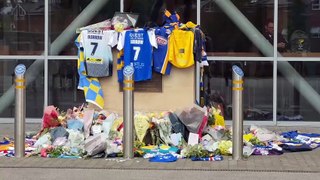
[[178, 126]]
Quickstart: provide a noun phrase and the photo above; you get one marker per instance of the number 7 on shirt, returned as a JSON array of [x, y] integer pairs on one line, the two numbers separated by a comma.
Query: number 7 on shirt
[[136, 52]]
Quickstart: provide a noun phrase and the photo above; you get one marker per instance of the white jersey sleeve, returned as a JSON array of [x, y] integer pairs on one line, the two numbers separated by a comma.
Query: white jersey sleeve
[[152, 38], [81, 40], [113, 38], [121, 40]]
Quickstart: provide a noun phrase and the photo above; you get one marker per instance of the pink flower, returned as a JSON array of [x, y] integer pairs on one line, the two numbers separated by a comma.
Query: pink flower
[[43, 152]]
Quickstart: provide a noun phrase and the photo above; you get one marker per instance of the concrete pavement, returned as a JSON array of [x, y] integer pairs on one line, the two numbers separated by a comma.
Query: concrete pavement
[[97, 174], [289, 162]]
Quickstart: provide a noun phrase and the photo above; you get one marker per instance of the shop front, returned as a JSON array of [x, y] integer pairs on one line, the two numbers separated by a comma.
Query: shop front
[[274, 42]]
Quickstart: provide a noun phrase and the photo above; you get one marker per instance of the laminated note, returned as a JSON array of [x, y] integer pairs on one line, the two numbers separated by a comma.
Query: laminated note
[[193, 139]]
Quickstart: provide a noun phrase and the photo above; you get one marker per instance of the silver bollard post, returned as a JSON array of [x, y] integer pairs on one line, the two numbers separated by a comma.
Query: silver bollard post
[[20, 111], [237, 113], [128, 110]]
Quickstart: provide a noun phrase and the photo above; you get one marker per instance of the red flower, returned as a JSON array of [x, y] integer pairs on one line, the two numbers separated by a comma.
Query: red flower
[[50, 117]]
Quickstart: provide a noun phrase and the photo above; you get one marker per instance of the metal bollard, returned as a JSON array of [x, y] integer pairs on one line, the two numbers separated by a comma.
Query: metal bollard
[[128, 110], [237, 113], [20, 111]]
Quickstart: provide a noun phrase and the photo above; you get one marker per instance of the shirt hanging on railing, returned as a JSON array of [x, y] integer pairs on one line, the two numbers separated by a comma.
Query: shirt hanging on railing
[[90, 85], [159, 55], [97, 51], [137, 45], [180, 49]]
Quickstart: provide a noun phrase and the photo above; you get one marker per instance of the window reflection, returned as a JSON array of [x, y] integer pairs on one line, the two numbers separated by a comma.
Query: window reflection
[[151, 11], [282, 43], [292, 106], [63, 82], [34, 91], [62, 13], [301, 23], [19, 34], [224, 38], [257, 94]]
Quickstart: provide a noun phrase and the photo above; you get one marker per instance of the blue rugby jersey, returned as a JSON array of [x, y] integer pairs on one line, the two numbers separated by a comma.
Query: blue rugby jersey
[[160, 54], [137, 45]]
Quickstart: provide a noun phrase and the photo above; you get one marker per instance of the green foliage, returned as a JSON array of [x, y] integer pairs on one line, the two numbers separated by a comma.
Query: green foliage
[[114, 134], [138, 144], [56, 152], [182, 143], [256, 141], [196, 151], [226, 135], [211, 120], [217, 152]]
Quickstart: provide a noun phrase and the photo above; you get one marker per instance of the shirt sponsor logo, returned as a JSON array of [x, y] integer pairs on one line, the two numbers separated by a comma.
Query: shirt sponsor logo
[[161, 40], [94, 60], [136, 35]]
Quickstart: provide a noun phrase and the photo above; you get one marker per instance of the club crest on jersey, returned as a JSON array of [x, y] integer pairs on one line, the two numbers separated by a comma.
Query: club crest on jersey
[[161, 40]]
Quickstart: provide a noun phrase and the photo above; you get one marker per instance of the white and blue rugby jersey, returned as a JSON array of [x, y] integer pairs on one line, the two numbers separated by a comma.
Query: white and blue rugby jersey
[[137, 45], [97, 51]]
